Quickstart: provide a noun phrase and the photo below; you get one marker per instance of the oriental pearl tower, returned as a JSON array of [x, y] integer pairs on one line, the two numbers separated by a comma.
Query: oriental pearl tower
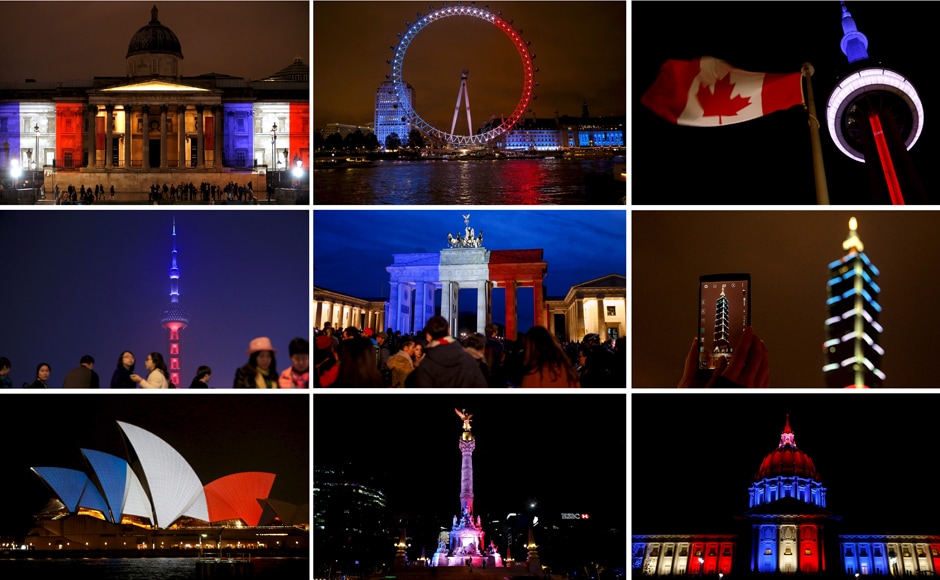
[[875, 116], [174, 317]]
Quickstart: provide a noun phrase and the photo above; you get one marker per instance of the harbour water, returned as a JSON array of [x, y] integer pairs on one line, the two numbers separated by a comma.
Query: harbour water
[[142, 568], [476, 182]]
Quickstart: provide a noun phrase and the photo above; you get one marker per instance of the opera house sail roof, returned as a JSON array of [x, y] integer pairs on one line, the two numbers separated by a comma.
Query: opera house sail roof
[[156, 484]]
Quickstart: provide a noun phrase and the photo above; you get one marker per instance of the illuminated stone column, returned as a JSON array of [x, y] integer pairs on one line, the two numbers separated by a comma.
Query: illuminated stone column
[[483, 305], [145, 137], [108, 134], [128, 132], [163, 159], [200, 136], [511, 316], [181, 135], [217, 140], [601, 323]]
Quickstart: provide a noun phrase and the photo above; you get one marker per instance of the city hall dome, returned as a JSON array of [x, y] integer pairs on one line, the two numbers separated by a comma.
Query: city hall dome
[[154, 38], [787, 460]]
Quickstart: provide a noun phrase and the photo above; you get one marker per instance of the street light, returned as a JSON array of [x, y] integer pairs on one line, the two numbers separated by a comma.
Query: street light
[[15, 170], [701, 567], [274, 145], [36, 129]]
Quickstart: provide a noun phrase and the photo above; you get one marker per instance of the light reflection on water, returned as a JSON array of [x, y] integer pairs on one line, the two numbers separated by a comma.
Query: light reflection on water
[[478, 182], [142, 568]]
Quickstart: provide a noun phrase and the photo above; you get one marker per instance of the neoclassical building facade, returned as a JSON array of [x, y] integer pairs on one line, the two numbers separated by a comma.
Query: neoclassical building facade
[[155, 123], [787, 529]]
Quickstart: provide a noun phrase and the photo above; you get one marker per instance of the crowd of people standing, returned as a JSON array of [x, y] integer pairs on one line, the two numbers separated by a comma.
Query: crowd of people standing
[[259, 372], [350, 357]]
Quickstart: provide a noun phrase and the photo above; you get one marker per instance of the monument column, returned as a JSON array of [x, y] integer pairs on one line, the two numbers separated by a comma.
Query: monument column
[[511, 317], [467, 445], [128, 132], [108, 134], [163, 160], [483, 306], [601, 323], [406, 307], [538, 298], [200, 136], [89, 137], [450, 295], [145, 135], [579, 324], [394, 299], [217, 140], [181, 135]]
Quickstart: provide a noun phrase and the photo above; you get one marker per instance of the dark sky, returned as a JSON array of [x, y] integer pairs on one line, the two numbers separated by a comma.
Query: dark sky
[[96, 282], [218, 435], [579, 245], [694, 455], [579, 48], [567, 452], [244, 39], [787, 254], [766, 160]]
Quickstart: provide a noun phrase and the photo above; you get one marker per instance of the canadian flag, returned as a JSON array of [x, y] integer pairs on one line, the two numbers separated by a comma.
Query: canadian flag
[[706, 91]]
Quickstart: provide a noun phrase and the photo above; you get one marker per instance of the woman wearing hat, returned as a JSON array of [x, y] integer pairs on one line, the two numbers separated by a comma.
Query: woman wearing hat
[[260, 372]]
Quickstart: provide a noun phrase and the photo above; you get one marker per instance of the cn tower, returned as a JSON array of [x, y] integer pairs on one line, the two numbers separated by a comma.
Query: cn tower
[[174, 317], [875, 116]]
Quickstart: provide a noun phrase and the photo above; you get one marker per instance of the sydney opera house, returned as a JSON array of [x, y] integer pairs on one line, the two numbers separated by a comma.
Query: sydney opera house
[[155, 500]]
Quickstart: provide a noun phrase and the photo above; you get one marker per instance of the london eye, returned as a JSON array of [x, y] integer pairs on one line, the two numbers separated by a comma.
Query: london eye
[[409, 115]]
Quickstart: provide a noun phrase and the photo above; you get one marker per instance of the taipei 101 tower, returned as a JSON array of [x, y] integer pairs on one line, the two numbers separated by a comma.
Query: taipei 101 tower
[[174, 317]]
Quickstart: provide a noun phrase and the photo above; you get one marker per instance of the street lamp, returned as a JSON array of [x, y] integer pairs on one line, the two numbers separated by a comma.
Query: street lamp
[[274, 145], [701, 566], [15, 170], [36, 129]]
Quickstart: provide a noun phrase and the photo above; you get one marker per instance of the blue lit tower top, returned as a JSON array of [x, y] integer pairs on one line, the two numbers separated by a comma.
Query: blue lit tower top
[[875, 116], [853, 354], [854, 43], [174, 317]]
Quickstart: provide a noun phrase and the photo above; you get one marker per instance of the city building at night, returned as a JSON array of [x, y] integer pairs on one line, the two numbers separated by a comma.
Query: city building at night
[[388, 112], [853, 355], [598, 306], [563, 133], [156, 125], [174, 317], [875, 116], [155, 499], [787, 529]]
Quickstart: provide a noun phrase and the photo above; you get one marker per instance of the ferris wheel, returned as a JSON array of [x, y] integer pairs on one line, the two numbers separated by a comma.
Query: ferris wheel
[[467, 11]]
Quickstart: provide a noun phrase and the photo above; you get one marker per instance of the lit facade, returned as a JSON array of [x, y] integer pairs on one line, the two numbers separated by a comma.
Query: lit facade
[[598, 306], [389, 115], [174, 317], [787, 529], [853, 355], [131, 131], [172, 487]]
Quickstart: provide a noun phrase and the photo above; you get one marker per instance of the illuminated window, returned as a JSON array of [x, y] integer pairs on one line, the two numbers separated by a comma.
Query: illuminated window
[[726, 552], [698, 552], [611, 311], [787, 552], [768, 552], [849, 553], [808, 552], [668, 553]]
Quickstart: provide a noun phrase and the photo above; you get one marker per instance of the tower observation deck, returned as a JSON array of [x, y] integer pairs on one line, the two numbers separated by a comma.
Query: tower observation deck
[[174, 317]]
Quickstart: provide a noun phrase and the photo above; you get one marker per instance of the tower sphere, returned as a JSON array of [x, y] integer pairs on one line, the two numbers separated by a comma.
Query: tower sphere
[[174, 312]]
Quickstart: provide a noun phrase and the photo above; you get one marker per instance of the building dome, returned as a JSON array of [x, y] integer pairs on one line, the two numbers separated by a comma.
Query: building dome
[[154, 38], [787, 460]]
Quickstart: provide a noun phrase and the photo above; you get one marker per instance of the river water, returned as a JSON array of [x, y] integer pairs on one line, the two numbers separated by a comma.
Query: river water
[[476, 182], [142, 568]]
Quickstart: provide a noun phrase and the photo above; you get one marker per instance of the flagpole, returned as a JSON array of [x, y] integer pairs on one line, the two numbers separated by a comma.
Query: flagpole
[[819, 171]]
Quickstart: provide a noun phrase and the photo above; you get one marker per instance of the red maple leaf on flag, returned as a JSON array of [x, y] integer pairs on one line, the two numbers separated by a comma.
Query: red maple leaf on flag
[[721, 103]]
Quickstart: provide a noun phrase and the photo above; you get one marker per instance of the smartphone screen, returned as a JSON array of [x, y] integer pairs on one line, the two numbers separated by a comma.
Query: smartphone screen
[[724, 313]]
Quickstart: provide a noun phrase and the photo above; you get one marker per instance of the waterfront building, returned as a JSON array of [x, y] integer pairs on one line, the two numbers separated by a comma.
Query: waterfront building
[[155, 498], [853, 355], [533, 135], [156, 125], [344, 129], [388, 117], [174, 317]]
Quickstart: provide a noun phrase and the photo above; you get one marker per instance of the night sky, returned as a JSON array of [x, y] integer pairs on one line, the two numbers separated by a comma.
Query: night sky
[[579, 48], [218, 435], [787, 254], [96, 282], [579, 246], [565, 452], [766, 160], [249, 40], [694, 455]]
